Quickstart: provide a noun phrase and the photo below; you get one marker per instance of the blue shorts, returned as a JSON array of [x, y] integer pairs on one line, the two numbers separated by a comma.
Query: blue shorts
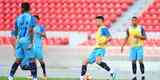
[[136, 53], [38, 51], [20, 50], [95, 53], [28, 56]]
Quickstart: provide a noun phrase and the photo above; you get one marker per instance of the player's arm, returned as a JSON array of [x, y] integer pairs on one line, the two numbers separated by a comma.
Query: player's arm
[[143, 36], [108, 34], [31, 31], [126, 40], [31, 34], [14, 33], [109, 38], [33, 24], [43, 34]]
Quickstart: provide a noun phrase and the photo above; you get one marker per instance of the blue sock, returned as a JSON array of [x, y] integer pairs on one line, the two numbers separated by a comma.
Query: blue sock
[[33, 69], [84, 70], [14, 68], [105, 66], [43, 68]]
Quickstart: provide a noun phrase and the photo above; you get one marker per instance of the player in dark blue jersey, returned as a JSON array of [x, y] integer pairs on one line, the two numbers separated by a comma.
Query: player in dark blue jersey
[[23, 34]]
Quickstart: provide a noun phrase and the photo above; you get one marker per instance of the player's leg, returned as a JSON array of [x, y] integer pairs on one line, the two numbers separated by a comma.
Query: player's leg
[[103, 64], [100, 52], [39, 55], [32, 64], [134, 69], [19, 56], [84, 68], [133, 58], [106, 67], [140, 57], [33, 69], [14, 68], [88, 60], [142, 68], [43, 67]]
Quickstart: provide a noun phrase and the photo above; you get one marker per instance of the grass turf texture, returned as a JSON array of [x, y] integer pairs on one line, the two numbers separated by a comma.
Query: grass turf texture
[[23, 78]]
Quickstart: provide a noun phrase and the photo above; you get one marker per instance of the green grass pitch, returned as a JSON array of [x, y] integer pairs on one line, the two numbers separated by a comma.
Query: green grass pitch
[[23, 78]]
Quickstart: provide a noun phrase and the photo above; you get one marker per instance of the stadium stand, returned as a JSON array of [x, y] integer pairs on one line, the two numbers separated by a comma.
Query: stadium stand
[[49, 41], [118, 42], [77, 16], [65, 15], [151, 17]]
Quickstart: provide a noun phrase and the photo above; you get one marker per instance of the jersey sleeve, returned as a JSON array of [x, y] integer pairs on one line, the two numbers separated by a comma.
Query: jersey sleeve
[[42, 28], [127, 33], [105, 32], [143, 31], [33, 22], [14, 30]]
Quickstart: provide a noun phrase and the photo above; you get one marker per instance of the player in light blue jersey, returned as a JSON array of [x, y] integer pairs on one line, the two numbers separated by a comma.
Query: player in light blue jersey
[[23, 34], [39, 35]]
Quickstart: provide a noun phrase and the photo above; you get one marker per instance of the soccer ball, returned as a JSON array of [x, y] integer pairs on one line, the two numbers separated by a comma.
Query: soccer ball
[[88, 77]]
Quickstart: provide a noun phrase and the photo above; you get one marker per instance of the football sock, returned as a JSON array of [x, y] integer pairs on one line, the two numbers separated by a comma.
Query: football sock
[[14, 68], [84, 70], [43, 68], [134, 68], [142, 68], [105, 66], [33, 69]]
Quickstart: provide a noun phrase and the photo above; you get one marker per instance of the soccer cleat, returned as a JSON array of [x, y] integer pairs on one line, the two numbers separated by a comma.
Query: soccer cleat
[[82, 78], [143, 78], [135, 78], [34, 79], [45, 78], [10, 78], [114, 76]]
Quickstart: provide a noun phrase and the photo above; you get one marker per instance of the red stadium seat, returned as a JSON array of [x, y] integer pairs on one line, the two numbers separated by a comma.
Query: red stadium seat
[[65, 12], [151, 18], [124, 6], [118, 12]]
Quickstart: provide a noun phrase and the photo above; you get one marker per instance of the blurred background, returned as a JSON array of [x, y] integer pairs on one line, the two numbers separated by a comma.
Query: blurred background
[[70, 27]]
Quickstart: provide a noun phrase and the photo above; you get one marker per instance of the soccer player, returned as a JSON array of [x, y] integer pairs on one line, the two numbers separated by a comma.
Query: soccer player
[[102, 38], [39, 34], [23, 35], [135, 37]]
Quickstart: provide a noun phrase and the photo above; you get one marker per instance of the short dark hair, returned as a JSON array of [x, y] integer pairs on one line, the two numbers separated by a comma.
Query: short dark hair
[[37, 17], [134, 17], [100, 17], [25, 7]]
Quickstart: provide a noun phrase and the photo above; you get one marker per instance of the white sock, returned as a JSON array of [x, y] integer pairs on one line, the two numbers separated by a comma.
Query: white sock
[[134, 75], [111, 72], [81, 77], [10, 78], [34, 78]]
